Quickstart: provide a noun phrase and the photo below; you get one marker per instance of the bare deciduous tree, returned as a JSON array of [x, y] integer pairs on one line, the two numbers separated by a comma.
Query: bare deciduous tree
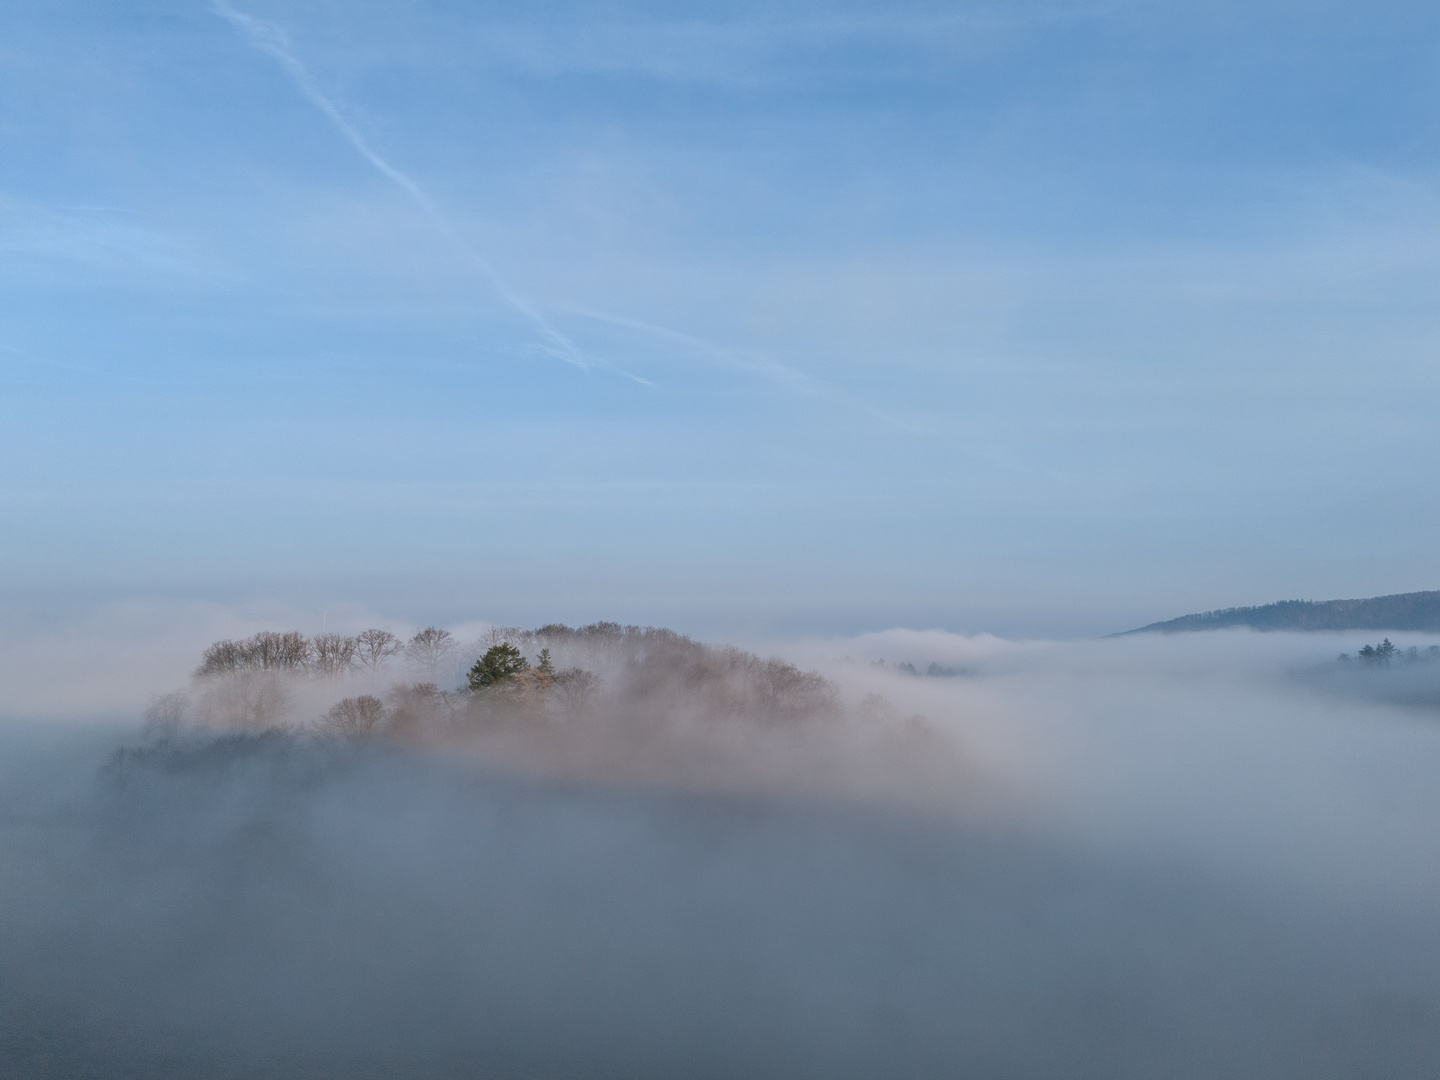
[[279, 652], [574, 689], [507, 635], [166, 714], [373, 647], [333, 654], [418, 705], [245, 699], [428, 649], [265, 651], [222, 657], [354, 717]]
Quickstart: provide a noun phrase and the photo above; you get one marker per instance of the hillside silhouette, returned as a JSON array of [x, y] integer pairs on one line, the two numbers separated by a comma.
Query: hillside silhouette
[[1400, 611]]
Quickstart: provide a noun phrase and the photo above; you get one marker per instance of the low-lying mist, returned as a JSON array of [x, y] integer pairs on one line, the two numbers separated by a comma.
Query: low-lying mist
[[616, 852]]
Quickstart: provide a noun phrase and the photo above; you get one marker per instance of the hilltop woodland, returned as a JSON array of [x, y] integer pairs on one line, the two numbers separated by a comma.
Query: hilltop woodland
[[1416, 611], [376, 685]]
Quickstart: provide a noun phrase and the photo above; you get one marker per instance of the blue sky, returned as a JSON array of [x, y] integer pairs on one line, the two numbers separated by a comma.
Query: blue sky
[[1034, 318]]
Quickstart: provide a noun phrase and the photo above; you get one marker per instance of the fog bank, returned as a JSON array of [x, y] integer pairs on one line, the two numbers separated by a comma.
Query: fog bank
[[1189, 856]]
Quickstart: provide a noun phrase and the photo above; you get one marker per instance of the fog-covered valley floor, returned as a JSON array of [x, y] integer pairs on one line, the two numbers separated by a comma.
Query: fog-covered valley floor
[[1184, 856]]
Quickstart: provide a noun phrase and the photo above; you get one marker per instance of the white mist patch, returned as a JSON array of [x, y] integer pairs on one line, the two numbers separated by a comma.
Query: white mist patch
[[1254, 750]]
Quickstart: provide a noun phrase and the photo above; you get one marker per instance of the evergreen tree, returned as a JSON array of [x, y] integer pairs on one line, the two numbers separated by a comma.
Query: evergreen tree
[[500, 662]]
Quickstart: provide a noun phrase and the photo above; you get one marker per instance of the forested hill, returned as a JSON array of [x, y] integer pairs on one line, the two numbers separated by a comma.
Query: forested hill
[[1402, 611]]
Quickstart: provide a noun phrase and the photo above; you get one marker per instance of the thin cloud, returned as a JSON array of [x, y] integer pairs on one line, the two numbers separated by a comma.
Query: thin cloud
[[773, 49], [95, 236], [31, 358]]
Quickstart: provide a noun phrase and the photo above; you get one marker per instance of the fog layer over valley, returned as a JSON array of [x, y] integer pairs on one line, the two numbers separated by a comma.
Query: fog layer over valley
[[617, 852]]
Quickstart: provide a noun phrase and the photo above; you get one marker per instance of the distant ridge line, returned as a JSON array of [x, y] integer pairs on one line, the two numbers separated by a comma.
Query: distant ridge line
[[1399, 611]]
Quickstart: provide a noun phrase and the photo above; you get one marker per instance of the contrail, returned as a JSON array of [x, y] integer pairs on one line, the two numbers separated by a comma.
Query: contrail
[[270, 38], [795, 381], [746, 361]]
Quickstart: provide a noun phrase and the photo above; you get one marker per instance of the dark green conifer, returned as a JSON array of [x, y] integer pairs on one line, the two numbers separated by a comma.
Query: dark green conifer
[[500, 662]]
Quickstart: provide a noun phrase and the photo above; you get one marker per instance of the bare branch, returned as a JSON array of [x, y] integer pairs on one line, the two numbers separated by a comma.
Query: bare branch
[[353, 717], [428, 649], [373, 647], [334, 654]]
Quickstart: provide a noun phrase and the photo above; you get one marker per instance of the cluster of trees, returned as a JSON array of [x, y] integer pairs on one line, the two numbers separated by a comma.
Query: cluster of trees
[[354, 717], [651, 674], [503, 669], [652, 668], [502, 664], [1383, 654], [1378, 654], [326, 654], [241, 682], [501, 685], [934, 671]]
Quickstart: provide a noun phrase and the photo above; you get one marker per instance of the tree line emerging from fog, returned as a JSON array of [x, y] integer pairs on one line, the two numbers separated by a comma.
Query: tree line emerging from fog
[[556, 674], [1385, 653], [933, 671]]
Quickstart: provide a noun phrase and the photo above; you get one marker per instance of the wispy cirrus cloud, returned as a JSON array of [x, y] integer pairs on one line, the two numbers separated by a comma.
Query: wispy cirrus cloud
[[94, 235], [772, 47]]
